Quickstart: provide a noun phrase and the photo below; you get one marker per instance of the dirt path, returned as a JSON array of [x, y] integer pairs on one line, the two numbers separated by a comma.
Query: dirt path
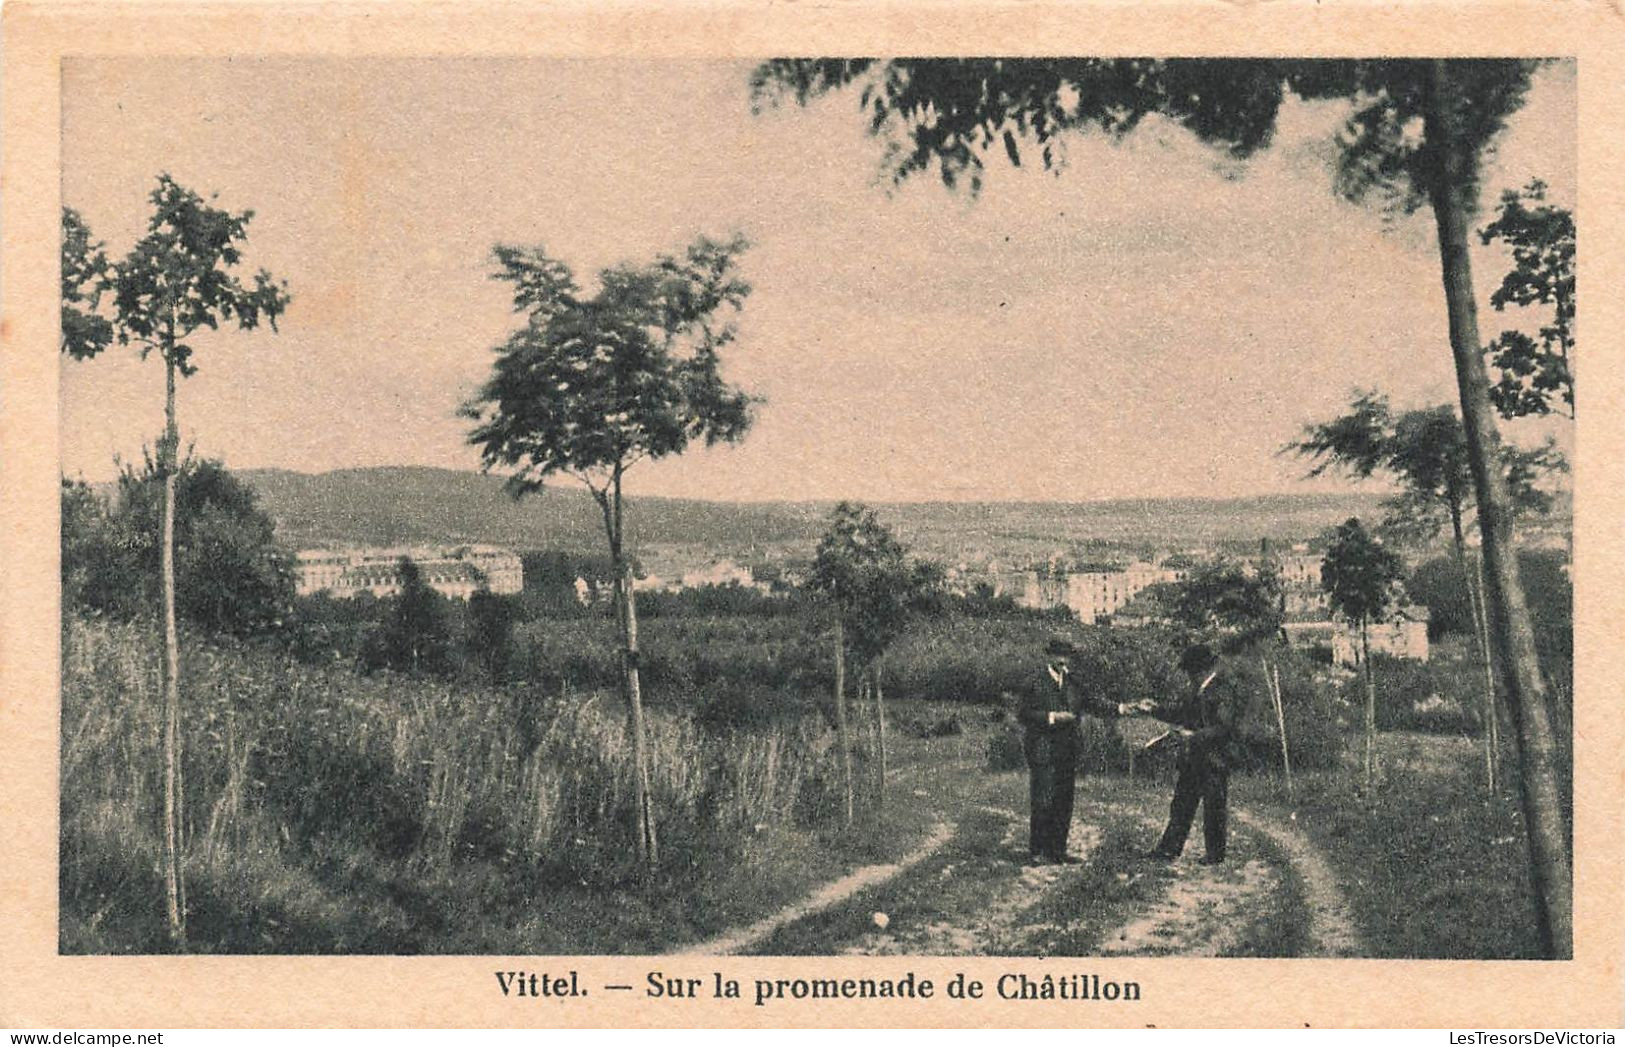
[[1331, 929], [1205, 912], [1007, 889], [832, 893], [968, 891]]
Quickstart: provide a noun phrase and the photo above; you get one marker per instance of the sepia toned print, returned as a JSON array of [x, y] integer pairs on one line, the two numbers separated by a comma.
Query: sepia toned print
[[379, 681], [834, 533]]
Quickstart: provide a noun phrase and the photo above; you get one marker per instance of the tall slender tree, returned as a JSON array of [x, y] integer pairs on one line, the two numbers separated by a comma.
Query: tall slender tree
[[180, 279], [590, 386], [1425, 451], [1359, 575], [872, 586], [415, 637], [948, 114]]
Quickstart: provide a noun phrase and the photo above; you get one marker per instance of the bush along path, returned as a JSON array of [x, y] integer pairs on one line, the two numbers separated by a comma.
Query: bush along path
[[966, 891]]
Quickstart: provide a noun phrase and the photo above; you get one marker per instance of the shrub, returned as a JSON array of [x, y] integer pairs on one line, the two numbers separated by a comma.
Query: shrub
[[965, 659], [1311, 707], [296, 772], [1004, 749], [1442, 697], [230, 576]]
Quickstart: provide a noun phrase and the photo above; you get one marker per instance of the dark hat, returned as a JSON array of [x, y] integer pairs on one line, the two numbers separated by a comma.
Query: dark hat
[[1060, 645], [1198, 658]]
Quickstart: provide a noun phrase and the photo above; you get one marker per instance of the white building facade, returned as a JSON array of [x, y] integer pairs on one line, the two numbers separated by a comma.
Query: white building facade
[[457, 571], [1094, 591]]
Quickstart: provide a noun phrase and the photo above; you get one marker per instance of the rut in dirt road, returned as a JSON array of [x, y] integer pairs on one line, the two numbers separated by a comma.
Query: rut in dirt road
[[967, 891], [1331, 928], [1212, 910], [998, 922], [829, 895]]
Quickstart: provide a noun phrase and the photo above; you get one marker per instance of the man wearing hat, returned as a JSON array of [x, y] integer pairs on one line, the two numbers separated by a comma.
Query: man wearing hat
[[1206, 723], [1048, 710]]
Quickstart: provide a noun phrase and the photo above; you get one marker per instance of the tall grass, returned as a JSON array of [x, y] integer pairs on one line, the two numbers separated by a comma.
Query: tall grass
[[311, 790]]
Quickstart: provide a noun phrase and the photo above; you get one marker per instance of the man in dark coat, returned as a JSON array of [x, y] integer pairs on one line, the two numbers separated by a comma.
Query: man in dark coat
[[1048, 709], [1206, 722]]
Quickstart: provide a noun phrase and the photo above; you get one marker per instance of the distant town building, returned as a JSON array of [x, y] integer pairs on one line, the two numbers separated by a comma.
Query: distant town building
[[1403, 635], [1091, 591], [1299, 570], [1093, 594], [720, 572], [457, 572]]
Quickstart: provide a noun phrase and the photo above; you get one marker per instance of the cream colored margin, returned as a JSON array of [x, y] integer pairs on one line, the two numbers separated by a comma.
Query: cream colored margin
[[39, 989]]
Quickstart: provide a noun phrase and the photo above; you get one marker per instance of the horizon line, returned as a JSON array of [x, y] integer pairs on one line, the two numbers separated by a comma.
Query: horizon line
[[566, 484]]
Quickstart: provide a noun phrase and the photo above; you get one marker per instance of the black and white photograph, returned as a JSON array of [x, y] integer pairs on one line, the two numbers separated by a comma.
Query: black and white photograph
[[946, 507]]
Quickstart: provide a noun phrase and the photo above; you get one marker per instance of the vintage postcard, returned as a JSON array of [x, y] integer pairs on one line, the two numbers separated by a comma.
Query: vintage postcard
[[758, 515]]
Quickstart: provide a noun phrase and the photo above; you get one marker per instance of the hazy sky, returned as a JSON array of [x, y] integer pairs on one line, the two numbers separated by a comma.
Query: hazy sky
[[1139, 326]]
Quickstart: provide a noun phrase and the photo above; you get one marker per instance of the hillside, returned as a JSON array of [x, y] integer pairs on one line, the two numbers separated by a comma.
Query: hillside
[[401, 505]]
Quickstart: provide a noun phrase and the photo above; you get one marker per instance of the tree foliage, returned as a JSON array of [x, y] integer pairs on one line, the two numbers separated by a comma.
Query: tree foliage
[[1359, 574], [490, 632], [1226, 598], [85, 278], [1534, 370], [231, 577], [589, 386], [874, 584], [180, 278], [416, 635], [949, 114], [1425, 450], [1439, 586]]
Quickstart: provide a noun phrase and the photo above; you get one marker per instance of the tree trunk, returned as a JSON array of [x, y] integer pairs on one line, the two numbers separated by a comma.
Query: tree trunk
[[1453, 196], [174, 876], [1493, 709], [1272, 680], [646, 844], [1481, 650], [842, 737], [880, 723], [1370, 708], [864, 694], [1481, 641]]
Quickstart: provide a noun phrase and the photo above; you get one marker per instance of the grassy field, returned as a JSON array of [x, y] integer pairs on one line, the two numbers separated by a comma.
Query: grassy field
[[330, 812], [1433, 867]]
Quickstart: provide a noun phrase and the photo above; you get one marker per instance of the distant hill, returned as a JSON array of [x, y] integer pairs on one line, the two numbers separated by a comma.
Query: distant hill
[[411, 504], [406, 504]]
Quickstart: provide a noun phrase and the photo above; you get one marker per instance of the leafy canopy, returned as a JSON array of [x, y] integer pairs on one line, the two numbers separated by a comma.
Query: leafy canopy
[[591, 385], [416, 635], [1226, 597], [951, 113], [875, 586], [1359, 574], [85, 275], [1534, 369], [181, 277], [1425, 450]]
